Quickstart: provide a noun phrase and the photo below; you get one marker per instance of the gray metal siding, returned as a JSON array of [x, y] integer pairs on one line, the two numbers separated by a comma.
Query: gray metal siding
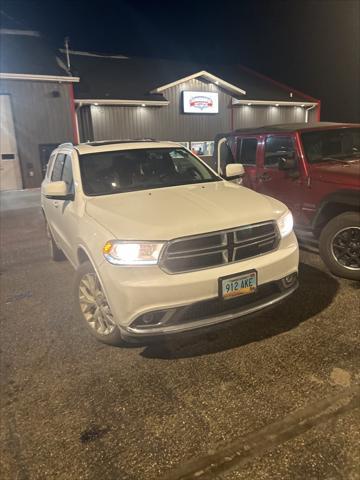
[[85, 124], [163, 123], [40, 117], [257, 116], [313, 115], [169, 123]]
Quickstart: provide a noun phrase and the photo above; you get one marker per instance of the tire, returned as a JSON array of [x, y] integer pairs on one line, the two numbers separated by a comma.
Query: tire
[[339, 245], [92, 308], [56, 254]]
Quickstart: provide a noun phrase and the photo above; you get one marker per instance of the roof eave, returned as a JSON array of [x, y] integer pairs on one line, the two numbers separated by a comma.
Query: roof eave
[[202, 73], [124, 102], [41, 78], [282, 103]]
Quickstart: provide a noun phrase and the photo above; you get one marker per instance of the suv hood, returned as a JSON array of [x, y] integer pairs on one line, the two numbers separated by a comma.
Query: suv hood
[[172, 212], [338, 172]]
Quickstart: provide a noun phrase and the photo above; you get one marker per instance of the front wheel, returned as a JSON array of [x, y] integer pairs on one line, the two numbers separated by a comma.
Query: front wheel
[[92, 307], [339, 245]]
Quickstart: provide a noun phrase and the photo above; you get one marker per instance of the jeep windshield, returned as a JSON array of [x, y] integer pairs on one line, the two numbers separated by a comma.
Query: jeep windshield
[[105, 173], [334, 144]]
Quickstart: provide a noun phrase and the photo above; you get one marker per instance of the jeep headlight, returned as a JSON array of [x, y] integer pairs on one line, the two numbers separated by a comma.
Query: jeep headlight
[[120, 252], [285, 224]]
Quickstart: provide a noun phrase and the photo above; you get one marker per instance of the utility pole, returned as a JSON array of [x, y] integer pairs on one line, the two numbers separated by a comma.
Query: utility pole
[[66, 42]]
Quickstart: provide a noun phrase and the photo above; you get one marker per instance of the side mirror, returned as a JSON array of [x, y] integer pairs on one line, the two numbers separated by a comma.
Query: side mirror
[[288, 163], [234, 170], [57, 191]]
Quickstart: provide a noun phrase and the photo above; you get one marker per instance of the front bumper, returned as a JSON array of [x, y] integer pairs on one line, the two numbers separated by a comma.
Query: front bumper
[[133, 292], [174, 323]]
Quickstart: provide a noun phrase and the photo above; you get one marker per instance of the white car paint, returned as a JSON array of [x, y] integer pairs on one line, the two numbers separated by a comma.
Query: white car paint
[[87, 223]]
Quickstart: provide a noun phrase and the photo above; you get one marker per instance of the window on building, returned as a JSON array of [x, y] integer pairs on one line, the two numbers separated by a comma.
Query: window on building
[[277, 147], [203, 148], [58, 168], [246, 151]]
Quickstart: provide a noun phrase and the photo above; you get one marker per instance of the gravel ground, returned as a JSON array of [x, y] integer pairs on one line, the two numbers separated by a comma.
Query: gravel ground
[[274, 397]]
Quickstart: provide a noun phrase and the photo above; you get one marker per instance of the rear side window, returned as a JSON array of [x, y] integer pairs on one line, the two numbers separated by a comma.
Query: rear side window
[[277, 147], [58, 168], [246, 152]]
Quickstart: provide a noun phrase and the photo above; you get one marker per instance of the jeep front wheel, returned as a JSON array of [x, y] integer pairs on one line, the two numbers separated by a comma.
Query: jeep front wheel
[[339, 245]]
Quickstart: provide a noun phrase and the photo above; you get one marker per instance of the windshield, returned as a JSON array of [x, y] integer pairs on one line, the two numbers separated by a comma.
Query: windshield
[[128, 170], [332, 144]]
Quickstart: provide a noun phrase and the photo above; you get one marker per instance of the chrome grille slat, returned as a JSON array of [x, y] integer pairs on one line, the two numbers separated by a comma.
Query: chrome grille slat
[[212, 238], [260, 237], [194, 253], [264, 239], [218, 248]]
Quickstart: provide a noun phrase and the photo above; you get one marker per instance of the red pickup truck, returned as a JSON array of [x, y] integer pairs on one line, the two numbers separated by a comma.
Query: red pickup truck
[[315, 170]]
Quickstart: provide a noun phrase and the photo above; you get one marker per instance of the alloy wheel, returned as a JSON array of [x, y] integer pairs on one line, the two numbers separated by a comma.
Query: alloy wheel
[[94, 305], [345, 247]]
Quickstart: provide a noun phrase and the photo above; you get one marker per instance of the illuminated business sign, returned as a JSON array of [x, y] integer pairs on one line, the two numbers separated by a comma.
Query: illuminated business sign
[[200, 102]]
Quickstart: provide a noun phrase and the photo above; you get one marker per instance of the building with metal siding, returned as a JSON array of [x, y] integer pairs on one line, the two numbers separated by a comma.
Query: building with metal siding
[[39, 107], [42, 119], [121, 97], [166, 122], [98, 97], [104, 122]]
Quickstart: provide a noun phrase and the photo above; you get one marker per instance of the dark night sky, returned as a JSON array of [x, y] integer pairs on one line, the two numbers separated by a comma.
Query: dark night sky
[[312, 45]]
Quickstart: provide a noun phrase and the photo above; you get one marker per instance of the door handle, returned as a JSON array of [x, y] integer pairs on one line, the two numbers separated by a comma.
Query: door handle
[[265, 177], [56, 203]]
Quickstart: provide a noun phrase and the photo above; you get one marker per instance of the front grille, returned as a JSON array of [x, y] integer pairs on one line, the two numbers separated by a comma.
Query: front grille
[[218, 248]]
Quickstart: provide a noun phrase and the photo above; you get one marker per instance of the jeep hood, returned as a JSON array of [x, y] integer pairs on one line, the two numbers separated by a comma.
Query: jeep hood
[[172, 212], [346, 174]]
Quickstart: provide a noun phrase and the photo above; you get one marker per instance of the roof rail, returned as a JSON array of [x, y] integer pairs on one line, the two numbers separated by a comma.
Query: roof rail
[[99, 143]]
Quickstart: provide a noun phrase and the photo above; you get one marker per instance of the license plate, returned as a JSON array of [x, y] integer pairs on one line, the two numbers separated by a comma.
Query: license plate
[[238, 285]]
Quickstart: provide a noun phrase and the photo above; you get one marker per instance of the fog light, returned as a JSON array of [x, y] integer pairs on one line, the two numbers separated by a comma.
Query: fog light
[[149, 319], [289, 280]]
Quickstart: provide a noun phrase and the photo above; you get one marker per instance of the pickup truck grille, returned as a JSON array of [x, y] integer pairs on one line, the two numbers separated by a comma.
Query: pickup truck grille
[[218, 248]]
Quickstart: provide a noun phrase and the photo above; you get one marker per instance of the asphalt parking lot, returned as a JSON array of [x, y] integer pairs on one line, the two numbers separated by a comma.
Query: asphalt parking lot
[[274, 397]]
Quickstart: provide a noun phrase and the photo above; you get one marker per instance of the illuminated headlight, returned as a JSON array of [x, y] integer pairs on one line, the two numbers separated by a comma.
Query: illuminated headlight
[[285, 224], [132, 253]]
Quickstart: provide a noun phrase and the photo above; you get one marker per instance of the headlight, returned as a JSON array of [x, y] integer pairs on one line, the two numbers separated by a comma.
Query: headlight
[[132, 253], [285, 224]]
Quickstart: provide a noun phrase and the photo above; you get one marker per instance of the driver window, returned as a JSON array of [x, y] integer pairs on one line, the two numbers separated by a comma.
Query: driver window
[[278, 147]]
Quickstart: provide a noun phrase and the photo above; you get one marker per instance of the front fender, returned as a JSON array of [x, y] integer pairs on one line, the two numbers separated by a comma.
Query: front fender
[[335, 200]]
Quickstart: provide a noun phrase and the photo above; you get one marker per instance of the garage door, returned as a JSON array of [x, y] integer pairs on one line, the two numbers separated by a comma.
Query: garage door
[[10, 175]]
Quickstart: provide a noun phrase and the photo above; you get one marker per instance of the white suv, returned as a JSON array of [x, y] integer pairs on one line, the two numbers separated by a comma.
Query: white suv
[[161, 244]]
